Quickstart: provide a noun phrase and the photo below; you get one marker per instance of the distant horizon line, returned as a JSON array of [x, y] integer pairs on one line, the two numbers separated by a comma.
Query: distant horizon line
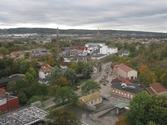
[[85, 29]]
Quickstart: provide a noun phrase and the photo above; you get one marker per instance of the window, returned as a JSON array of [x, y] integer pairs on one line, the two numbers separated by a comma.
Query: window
[[92, 102], [113, 90], [125, 94], [119, 92], [131, 96]]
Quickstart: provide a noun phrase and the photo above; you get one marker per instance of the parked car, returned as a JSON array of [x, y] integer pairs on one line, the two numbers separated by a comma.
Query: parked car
[[107, 81], [104, 84], [104, 98], [77, 87]]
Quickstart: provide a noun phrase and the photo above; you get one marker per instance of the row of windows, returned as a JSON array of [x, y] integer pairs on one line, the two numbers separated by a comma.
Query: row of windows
[[95, 100], [122, 93]]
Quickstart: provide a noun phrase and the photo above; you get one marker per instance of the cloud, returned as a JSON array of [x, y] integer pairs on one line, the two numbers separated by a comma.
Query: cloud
[[147, 15]]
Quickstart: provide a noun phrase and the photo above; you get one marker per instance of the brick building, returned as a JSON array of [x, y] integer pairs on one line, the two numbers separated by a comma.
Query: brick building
[[7, 102]]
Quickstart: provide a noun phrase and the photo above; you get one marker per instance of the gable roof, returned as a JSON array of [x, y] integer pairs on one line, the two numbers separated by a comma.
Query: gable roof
[[91, 96], [16, 52], [46, 68], [124, 67], [156, 88]]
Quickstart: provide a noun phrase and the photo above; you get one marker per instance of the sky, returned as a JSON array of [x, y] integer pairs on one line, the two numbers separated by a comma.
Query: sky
[[134, 15]]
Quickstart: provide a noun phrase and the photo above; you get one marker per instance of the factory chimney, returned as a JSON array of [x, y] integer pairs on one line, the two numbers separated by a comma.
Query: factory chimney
[[57, 42]]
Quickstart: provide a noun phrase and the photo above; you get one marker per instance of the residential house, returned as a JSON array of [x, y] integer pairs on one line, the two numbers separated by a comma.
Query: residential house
[[123, 53], [44, 71], [63, 65], [17, 54], [156, 88], [124, 88], [125, 71], [107, 50], [92, 99]]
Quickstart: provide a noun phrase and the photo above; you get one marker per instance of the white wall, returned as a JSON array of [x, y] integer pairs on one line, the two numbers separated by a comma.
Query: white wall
[[132, 73], [95, 101], [107, 50], [42, 75], [2, 101]]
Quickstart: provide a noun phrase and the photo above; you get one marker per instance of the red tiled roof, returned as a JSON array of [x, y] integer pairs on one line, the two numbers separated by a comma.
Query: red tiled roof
[[46, 68], [64, 63], [158, 87], [125, 80], [150, 91], [124, 67], [16, 52], [121, 80]]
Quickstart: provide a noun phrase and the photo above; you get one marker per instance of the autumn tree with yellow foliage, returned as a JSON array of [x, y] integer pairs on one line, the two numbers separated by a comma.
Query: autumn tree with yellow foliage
[[147, 77], [121, 120]]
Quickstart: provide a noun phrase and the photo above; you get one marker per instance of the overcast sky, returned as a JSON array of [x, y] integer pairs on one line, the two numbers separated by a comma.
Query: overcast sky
[[138, 15]]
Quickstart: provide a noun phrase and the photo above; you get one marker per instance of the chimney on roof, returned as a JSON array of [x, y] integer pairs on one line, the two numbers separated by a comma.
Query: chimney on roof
[[57, 42]]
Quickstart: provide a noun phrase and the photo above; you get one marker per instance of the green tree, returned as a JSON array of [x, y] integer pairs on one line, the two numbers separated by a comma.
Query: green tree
[[44, 90], [22, 98], [34, 99], [29, 78], [3, 51], [70, 75], [65, 93], [151, 123], [145, 107], [32, 72], [73, 65], [34, 89], [90, 86], [62, 117], [11, 87], [2, 64], [87, 70], [22, 85], [24, 66], [80, 66], [55, 74]]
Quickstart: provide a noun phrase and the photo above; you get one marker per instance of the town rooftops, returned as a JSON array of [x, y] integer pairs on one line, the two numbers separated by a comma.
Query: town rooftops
[[91, 97], [124, 67], [156, 88]]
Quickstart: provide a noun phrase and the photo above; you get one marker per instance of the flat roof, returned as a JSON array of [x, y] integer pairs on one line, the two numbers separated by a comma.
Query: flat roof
[[121, 105], [13, 78], [136, 90], [26, 116]]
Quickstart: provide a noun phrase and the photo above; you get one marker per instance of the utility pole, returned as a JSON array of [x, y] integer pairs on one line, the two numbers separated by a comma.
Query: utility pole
[[57, 43]]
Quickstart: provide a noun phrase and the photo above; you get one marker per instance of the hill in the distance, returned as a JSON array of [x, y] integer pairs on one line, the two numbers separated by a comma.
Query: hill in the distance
[[76, 31]]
